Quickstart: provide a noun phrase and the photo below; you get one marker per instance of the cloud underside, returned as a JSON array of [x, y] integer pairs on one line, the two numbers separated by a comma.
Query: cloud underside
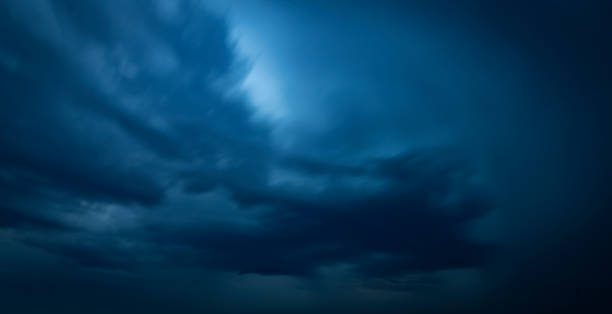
[[126, 141]]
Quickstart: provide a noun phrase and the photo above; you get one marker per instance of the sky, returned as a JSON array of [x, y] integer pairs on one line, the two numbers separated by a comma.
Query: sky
[[268, 156]]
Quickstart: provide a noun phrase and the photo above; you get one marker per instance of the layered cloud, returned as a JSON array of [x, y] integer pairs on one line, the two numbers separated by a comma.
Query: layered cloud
[[359, 155], [128, 140]]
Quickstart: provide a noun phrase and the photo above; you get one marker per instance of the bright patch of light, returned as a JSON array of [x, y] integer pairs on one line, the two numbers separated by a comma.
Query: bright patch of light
[[261, 84]]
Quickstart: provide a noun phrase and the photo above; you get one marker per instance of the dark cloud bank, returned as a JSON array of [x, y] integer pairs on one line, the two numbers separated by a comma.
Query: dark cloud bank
[[439, 157]]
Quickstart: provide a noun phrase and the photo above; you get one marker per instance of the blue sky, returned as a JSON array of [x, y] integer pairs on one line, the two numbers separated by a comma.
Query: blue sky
[[183, 156]]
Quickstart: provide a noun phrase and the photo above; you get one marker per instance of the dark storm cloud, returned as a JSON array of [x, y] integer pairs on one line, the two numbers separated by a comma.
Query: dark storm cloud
[[12, 218], [413, 221], [136, 163], [132, 100], [106, 104], [111, 98]]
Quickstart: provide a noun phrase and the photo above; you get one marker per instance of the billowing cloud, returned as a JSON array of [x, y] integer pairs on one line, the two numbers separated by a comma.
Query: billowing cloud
[[132, 103], [326, 156]]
